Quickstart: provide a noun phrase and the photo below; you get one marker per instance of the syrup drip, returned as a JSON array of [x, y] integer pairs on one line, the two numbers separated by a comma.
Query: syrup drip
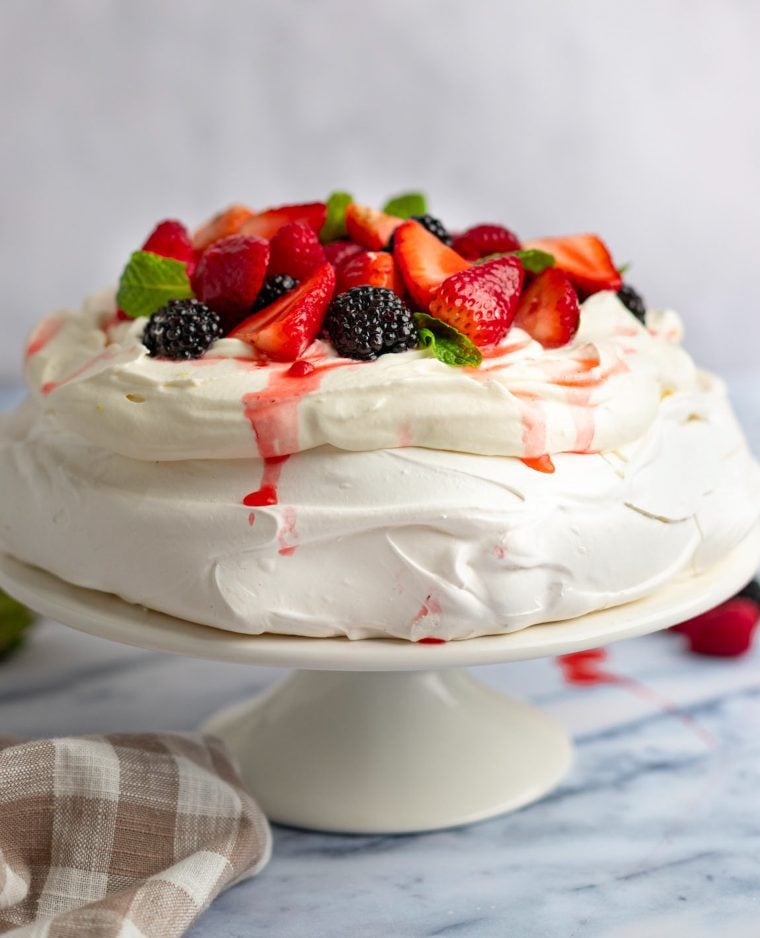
[[266, 494], [539, 463], [44, 333], [586, 667]]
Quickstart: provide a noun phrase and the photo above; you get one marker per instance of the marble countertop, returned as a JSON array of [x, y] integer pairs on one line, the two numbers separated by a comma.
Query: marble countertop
[[653, 833]]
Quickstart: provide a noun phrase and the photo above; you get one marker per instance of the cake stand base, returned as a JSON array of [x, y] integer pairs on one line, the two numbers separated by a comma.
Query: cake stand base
[[391, 752]]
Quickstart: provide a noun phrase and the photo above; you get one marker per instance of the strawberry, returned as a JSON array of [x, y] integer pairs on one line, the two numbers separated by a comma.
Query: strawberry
[[370, 228], [482, 240], [295, 250], [222, 225], [286, 328], [171, 239], [267, 224], [548, 309], [584, 258], [481, 301], [725, 631], [372, 268], [424, 261], [230, 274], [339, 251]]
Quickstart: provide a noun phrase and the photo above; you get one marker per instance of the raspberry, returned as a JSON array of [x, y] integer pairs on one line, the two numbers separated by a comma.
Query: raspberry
[[482, 240], [181, 329], [295, 250], [229, 276], [273, 289], [170, 239], [724, 632], [365, 322], [633, 302]]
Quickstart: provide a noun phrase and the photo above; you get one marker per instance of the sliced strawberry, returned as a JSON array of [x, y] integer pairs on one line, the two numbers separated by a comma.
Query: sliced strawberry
[[295, 250], [481, 301], [284, 330], [370, 228], [548, 309], [482, 240], [339, 251], [584, 258], [267, 224], [371, 268], [222, 225], [424, 261], [170, 238], [230, 274], [725, 631]]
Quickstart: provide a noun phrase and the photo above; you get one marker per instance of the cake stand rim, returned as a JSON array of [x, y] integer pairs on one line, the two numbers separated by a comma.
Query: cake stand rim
[[105, 615]]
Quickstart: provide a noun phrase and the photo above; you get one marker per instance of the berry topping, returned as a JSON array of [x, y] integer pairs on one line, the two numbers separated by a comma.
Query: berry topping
[[424, 261], [181, 329], [584, 258], [369, 268], [273, 289], [366, 322], [548, 309], [229, 276], [295, 250], [633, 302], [481, 301], [435, 227], [725, 631], [482, 240], [171, 239], [339, 251], [370, 228], [267, 224], [285, 329], [223, 225]]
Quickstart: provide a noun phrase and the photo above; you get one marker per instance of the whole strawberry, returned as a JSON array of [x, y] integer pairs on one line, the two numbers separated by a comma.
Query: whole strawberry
[[295, 250], [230, 274], [481, 301]]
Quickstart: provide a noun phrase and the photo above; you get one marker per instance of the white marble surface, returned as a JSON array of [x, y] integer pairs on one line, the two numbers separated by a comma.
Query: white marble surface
[[654, 832]]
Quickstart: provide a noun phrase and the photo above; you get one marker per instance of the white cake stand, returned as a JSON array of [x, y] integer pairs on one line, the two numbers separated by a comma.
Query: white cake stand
[[380, 735]]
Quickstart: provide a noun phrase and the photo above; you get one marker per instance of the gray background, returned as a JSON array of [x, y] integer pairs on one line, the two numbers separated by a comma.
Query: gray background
[[638, 120]]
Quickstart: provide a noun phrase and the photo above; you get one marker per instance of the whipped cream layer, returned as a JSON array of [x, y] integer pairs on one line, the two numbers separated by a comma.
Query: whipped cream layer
[[409, 542], [600, 392]]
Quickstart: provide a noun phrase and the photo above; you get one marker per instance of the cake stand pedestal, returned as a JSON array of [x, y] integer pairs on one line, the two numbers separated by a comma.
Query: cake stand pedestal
[[385, 736]]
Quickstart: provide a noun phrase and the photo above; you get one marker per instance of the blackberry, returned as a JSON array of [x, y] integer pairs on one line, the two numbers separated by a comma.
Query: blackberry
[[433, 225], [181, 329], [365, 322], [751, 591], [633, 301], [273, 289]]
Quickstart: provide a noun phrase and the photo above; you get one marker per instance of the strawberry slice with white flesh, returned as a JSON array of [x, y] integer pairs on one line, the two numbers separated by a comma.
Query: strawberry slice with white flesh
[[285, 329]]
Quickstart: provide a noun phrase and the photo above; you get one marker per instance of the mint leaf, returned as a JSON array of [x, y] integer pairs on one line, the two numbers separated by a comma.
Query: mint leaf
[[446, 343], [406, 205], [534, 261], [149, 282], [624, 268], [14, 621], [335, 222]]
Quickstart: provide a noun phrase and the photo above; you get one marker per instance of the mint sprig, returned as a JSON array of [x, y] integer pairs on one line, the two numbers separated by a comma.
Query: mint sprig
[[335, 222], [15, 619], [446, 343], [533, 260], [149, 282], [406, 205]]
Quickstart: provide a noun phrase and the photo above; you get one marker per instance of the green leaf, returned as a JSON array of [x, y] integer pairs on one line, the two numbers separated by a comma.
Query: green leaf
[[624, 268], [534, 261], [406, 205], [149, 282], [335, 222], [446, 343], [14, 621]]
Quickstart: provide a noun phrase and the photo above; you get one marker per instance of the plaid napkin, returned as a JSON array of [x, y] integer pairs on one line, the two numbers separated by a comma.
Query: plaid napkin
[[125, 835]]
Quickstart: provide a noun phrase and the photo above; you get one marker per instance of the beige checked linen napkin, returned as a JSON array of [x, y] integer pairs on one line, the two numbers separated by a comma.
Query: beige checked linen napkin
[[123, 836]]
